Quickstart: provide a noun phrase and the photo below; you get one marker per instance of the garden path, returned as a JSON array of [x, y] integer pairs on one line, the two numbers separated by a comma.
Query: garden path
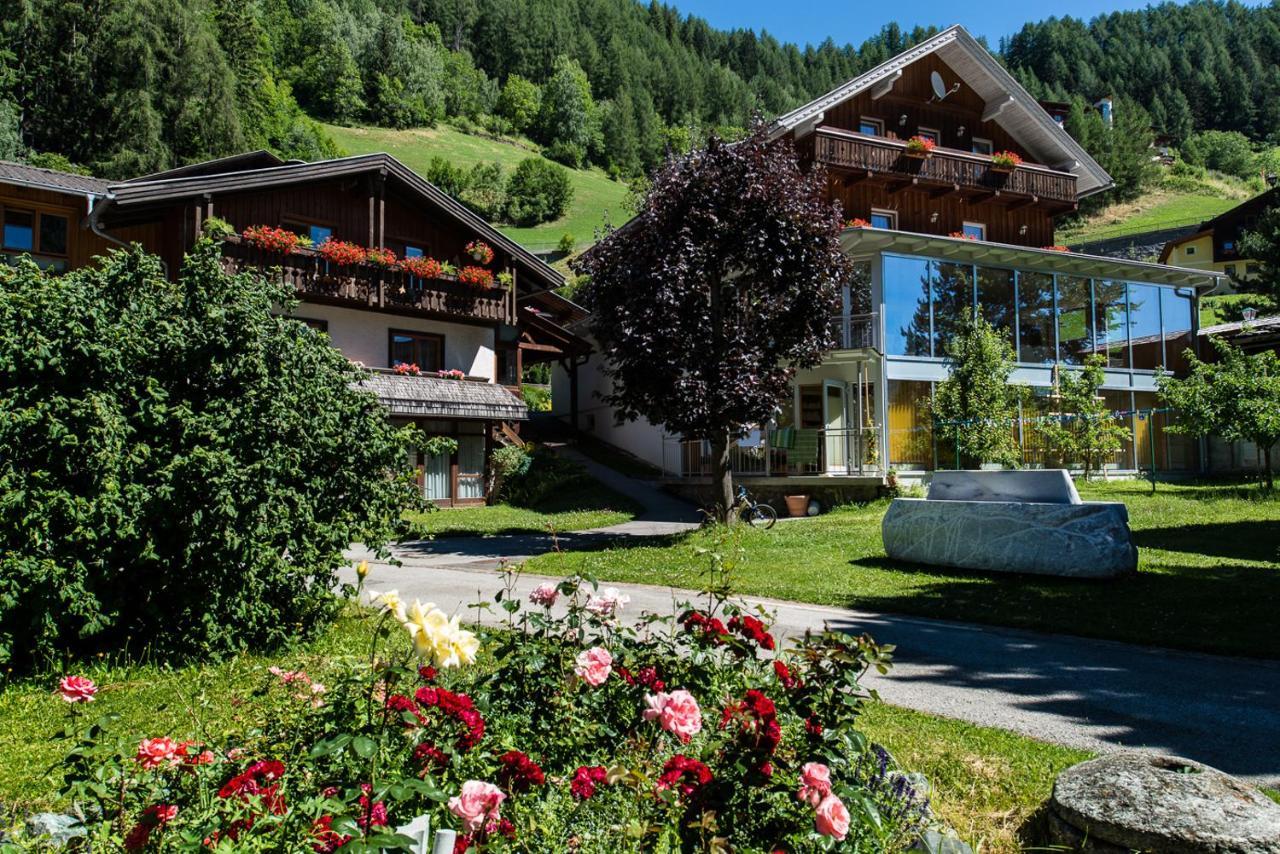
[[1092, 694]]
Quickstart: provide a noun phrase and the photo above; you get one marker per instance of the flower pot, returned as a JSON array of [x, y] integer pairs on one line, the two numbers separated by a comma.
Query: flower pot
[[797, 505]]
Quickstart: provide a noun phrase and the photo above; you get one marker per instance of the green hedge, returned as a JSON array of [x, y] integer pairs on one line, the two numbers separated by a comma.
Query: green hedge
[[180, 469]]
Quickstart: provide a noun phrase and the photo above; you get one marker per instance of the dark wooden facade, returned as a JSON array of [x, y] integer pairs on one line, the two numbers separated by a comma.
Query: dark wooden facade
[[953, 185]]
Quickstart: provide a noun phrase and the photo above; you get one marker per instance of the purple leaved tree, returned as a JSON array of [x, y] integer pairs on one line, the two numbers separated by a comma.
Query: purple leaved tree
[[706, 304]]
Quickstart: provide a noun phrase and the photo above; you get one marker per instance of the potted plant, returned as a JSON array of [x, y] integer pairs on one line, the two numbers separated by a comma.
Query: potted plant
[[451, 374], [341, 253], [477, 277], [480, 252], [920, 146], [407, 369], [270, 239], [384, 258], [1005, 161], [421, 267], [857, 222], [506, 279], [960, 235], [797, 505]]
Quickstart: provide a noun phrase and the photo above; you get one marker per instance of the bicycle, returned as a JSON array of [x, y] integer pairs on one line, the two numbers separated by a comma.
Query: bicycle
[[754, 513]]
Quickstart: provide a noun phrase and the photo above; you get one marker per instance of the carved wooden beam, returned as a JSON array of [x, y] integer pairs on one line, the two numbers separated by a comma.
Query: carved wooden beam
[[995, 108], [885, 86], [1023, 203]]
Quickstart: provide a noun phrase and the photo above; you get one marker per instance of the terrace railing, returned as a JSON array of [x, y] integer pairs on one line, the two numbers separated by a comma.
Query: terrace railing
[[374, 287], [854, 331], [816, 452], [878, 155]]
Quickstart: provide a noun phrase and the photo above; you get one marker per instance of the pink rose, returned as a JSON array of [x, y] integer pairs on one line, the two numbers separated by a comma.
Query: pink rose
[[477, 804], [594, 666], [545, 594], [156, 752], [608, 603], [832, 818], [677, 712], [815, 783], [77, 689]]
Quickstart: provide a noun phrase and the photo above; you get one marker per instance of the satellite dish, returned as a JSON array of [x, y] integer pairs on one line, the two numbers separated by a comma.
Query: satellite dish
[[940, 90]]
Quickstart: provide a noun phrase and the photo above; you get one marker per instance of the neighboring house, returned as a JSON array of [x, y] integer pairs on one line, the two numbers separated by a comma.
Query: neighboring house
[[1215, 245], [377, 318], [933, 237], [1251, 336]]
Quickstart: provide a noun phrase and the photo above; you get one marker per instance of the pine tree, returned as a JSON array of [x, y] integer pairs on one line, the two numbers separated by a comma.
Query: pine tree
[[975, 410]]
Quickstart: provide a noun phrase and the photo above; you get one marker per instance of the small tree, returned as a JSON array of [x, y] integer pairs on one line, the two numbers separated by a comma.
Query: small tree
[[976, 408], [1079, 427], [709, 300], [1236, 397], [1262, 244]]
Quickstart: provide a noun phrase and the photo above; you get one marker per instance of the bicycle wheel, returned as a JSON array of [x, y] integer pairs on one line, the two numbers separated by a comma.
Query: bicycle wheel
[[760, 516]]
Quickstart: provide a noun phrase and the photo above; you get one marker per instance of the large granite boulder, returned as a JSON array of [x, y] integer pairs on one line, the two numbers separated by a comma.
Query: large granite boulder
[[1011, 521], [1145, 802]]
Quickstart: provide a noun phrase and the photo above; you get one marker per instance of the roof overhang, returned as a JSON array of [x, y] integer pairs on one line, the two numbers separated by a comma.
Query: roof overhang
[[140, 193], [864, 242], [430, 397], [1008, 104]]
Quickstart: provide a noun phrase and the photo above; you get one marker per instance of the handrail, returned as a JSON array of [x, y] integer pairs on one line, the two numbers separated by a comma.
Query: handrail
[[958, 153]]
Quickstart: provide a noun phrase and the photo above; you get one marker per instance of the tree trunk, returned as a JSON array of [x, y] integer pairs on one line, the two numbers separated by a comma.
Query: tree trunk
[[1267, 476], [722, 479]]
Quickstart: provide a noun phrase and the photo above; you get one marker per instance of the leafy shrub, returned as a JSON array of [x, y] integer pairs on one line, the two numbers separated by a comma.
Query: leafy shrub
[[181, 469], [558, 730], [448, 177], [505, 463], [566, 244], [539, 191], [537, 398], [486, 191], [1229, 152]]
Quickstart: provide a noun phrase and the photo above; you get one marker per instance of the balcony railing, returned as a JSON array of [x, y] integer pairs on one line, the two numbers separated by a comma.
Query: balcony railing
[[311, 276], [808, 453], [854, 151], [854, 331]]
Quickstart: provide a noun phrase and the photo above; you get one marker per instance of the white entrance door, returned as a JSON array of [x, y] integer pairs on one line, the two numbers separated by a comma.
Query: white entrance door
[[837, 435]]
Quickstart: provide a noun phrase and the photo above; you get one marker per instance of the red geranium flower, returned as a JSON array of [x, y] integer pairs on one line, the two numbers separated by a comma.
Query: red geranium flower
[[476, 277], [518, 773], [586, 779], [687, 774]]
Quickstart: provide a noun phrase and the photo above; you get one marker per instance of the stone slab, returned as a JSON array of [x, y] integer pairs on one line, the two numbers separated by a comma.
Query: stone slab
[[1131, 801], [1044, 486], [1090, 540]]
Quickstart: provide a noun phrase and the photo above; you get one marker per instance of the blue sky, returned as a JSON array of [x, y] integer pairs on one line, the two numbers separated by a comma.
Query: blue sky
[[812, 22]]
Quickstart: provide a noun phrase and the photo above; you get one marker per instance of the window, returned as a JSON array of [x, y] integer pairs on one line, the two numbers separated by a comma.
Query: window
[[952, 302], [1035, 318], [910, 427], [976, 230], [314, 323], [1176, 308], [930, 133], [319, 234], [1228, 246], [1190, 250], [53, 234], [413, 252], [19, 230], [1111, 321], [870, 126], [906, 306], [996, 299], [1251, 269], [417, 348], [983, 146], [1230, 270], [1144, 326], [1075, 319], [884, 219]]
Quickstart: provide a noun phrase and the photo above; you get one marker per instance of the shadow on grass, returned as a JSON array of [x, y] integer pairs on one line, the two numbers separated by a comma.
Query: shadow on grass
[[1254, 540]]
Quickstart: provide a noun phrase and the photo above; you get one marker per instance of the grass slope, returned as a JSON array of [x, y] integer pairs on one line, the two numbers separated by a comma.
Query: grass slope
[[596, 197], [986, 782], [1173, 202], [1208, 579]]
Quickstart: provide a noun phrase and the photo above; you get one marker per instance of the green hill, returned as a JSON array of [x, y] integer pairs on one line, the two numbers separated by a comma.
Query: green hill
[[596, 197]]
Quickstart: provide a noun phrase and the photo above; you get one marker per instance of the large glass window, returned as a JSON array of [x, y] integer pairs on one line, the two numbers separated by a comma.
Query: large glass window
[[53, 234], [1144, 326], [1035, 318], [1120, 402], [906, 306], [952, 302], [1176, 310], [1111, 321], [996, 298], [1075, 320], [910, 430]]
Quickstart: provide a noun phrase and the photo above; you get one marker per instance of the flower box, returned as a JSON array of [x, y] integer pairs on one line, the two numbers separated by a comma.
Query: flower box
[[920, 146], [383, 258], [857, 222], [421, 267], [477, 277], [407, 369], [1005, 161], [341, 253], [271, 239]]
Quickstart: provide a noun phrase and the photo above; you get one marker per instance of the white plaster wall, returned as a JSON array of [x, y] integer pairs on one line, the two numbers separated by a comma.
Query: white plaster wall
[[363, 336], [641, 438]]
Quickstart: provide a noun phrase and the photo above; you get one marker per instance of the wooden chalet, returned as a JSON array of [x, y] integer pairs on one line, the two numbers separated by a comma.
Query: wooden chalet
[[383, 319]]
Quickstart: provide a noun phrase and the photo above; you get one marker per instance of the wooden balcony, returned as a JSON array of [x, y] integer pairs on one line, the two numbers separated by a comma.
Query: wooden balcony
[[858, 156], [366, 286]]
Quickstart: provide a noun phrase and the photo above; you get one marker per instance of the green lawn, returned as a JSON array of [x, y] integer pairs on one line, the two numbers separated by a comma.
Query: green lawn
[[987, 781], [1209, 572], [595, 195], [1158, 210]]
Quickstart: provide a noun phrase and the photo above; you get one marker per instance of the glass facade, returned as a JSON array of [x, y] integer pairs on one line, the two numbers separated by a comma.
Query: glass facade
[[1048, 318]]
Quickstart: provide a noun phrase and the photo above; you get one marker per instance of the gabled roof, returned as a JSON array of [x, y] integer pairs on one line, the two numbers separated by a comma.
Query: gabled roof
[[260, 159], [37, 178], [443, 398], [1013, 107], [160, 189]]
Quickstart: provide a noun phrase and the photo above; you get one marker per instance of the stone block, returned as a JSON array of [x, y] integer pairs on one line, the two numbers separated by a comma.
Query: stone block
[[1043, 486], [1131, 801], [1089, 540]]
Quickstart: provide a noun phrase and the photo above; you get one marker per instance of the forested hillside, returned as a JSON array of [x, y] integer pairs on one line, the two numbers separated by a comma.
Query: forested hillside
[[128, 86]]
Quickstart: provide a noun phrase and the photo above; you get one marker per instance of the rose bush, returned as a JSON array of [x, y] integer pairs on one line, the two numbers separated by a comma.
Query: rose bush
[[557, 729]]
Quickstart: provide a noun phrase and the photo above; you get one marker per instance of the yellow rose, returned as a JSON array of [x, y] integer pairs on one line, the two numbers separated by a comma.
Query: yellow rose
[[438, 638], [362, 570], [389, 602]]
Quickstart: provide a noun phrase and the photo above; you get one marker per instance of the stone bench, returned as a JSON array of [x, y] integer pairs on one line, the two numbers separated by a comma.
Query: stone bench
[[1011, 521]]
